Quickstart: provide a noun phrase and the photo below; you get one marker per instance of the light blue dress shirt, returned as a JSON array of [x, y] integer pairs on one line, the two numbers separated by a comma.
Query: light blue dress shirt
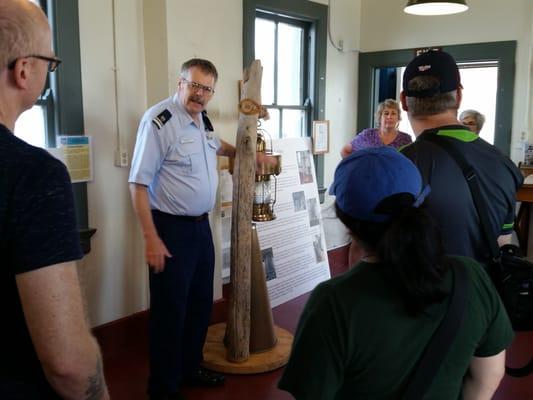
[[177, 162]]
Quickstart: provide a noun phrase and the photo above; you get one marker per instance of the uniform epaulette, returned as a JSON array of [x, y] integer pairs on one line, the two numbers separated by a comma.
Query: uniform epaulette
[[162, 119], [207, 123]]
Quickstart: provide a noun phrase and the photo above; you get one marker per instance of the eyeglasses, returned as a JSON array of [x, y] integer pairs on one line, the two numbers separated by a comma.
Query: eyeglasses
[[53, 62], [196, 87]]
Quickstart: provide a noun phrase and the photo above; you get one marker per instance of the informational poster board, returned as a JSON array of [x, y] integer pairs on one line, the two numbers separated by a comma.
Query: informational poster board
[[76, 153], [293, 246]]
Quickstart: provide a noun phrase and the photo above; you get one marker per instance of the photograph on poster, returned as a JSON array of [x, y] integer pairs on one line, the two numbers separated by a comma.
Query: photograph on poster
[[268, 262], [312, 209], [320, 137], [225, 223], [305, 166], [226, 261], [298, 199], [319, 249], [292, 245], [226, 187]]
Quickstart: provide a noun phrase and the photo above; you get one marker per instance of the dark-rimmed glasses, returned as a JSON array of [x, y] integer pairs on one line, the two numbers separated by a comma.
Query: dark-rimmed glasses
[[53, 62], [196, 87]]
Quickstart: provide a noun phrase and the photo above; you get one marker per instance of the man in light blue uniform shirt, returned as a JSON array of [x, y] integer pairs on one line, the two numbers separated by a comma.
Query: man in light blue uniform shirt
[[173, 184]]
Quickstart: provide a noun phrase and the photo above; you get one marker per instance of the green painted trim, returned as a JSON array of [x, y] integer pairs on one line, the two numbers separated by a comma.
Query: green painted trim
[[67, 92], [463, 135], [503, 52]]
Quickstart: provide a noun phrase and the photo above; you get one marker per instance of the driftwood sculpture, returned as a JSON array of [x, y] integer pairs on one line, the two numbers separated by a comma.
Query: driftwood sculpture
[[238, 329]]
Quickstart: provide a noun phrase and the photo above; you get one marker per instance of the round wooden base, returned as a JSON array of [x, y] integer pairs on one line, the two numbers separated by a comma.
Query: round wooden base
[[268, 360]]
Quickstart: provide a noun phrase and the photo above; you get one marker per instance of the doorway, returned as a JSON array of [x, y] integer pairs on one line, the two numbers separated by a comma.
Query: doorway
[[487, 74], [479, 82]]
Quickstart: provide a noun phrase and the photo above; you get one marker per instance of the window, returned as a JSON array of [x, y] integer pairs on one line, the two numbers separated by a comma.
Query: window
[[479, 82], [290, 38], [30, 126], [59, 111], [282, 46], [36, 125]]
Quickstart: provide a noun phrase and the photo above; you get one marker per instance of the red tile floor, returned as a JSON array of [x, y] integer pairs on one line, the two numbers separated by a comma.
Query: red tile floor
[[126, 366]]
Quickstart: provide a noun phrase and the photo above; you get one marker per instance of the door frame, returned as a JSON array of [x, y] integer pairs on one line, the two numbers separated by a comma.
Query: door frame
[[502, 52]]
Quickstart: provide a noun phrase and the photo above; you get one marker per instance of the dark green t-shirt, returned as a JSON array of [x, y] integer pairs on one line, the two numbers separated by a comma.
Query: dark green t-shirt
[[356, 341]]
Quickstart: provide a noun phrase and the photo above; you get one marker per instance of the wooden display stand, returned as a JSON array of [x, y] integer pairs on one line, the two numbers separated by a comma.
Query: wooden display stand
[[249, 343], [269, 360]]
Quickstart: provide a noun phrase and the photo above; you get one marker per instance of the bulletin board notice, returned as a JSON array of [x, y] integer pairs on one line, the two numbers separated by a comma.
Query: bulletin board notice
[[293, 246], [77, 156]]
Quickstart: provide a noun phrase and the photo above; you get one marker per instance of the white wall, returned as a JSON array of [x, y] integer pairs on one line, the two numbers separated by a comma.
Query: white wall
[[155, 36], [341, 78], [212, 30], [386, 27], [114, 278]]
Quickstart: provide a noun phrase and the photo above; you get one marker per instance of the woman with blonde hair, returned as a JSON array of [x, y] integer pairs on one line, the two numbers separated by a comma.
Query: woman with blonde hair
[[386, 134]]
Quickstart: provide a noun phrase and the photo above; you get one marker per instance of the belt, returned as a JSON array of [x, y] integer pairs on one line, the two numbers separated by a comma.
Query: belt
[[188, 218]]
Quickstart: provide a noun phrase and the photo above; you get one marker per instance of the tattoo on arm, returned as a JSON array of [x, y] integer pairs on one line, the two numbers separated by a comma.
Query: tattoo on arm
[[97, 387]]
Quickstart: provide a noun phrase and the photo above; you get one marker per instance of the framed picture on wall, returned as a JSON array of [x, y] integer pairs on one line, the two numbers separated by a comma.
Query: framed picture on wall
[[320, 137]]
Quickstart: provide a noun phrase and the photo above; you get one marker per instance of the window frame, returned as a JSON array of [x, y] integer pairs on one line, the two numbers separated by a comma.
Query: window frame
[[304, 72], [316, 15], [46, 99], [66, 93], [503, 52]]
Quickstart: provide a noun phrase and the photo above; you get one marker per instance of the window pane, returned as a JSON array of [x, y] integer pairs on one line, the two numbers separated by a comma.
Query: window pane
[[272, 125], [290, 56], [30, 126], [265, 32], [293, 123], [479, 93]]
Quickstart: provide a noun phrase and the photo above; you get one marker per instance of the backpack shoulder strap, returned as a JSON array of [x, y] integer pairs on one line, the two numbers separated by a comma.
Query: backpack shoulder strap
[[442, 339]]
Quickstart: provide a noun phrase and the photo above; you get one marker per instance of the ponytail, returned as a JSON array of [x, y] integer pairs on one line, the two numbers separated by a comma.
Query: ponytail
[[410, 248]]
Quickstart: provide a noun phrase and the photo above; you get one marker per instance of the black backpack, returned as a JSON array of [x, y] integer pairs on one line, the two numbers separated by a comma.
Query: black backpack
[[510, 271]]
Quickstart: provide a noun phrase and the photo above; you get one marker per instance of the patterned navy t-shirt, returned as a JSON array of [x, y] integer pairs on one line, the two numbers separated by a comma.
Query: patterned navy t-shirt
[[37, 229]]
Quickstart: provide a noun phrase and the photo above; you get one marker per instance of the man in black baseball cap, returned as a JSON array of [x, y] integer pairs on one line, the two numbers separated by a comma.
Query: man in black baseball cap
[[438, 64], [432, 94]]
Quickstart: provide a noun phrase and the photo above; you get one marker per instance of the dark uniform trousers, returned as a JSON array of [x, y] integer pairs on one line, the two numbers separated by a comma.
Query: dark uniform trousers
[[181, 299]]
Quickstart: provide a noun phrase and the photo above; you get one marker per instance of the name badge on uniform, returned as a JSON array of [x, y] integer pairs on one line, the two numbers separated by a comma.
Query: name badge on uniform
[[185, 140]]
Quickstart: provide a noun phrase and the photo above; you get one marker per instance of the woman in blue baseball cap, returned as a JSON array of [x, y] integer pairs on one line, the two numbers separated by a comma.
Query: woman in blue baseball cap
[[362, 334]]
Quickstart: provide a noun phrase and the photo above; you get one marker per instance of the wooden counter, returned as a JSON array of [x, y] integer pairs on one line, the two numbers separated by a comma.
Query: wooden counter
[[525, 196], [525, 193]]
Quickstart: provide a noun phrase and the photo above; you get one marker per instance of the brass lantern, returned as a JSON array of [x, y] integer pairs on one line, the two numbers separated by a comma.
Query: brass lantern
[[268, 165]]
